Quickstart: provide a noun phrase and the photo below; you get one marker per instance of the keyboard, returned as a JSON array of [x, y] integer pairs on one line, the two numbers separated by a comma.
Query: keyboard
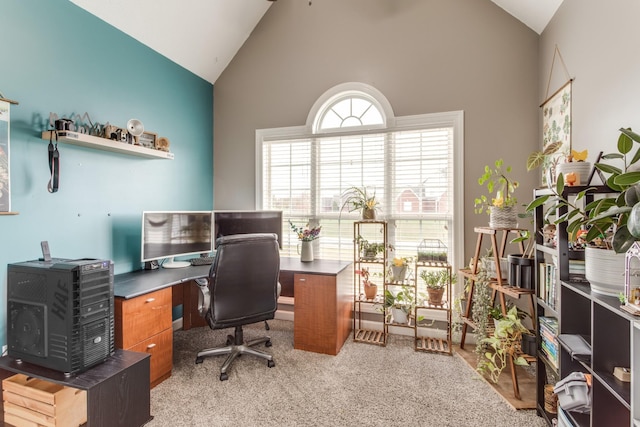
[[207, 260]]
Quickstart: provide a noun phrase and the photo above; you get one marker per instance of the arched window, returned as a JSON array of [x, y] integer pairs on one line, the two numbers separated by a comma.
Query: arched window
[[352, 138]]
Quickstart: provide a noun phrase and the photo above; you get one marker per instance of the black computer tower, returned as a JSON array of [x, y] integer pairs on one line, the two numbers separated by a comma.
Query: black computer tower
[[60, 313]]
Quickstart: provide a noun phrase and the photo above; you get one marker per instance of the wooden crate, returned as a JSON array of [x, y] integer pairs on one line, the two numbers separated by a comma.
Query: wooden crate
[[31, 402]]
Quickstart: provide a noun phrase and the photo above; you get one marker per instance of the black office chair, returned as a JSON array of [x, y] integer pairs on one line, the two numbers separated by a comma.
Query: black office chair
[[242, 288]]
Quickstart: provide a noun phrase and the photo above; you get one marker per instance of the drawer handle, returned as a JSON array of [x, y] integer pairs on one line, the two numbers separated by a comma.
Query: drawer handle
[[303, 280], [150, 300], [150, 346]]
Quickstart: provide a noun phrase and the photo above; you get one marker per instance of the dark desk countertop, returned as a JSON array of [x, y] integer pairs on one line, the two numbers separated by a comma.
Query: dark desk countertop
[[140, 282]]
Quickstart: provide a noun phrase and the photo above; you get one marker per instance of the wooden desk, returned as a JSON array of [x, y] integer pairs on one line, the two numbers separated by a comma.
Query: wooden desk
[[117, 389], [322, 291]]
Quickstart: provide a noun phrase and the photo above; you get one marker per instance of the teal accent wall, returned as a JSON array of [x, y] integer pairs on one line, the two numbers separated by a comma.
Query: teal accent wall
[[56, 57]]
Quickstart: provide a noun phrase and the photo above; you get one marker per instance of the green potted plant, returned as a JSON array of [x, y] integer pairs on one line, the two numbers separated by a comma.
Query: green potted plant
[[500, 204], [360, 199], [369, 250], [436, 282], [505, 343], [401, 305], [609, 222], [398, 268], [370, 288]]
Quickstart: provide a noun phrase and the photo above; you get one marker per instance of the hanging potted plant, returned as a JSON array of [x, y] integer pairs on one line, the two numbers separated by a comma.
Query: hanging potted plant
[[361, 199], [500, 204]]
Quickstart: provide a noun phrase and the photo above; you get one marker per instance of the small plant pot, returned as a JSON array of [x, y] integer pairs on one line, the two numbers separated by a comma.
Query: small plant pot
[[368, 214], [370, 291], [399, 316], [435, 296], [398, 273], [529, 344], [521, 271]]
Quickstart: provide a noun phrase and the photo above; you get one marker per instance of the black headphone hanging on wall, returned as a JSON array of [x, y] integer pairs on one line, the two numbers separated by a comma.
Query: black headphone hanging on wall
[[54, 163]]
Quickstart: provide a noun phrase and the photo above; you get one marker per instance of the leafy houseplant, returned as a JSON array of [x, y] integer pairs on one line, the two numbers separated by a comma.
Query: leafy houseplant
[[436, 282], [359, 199], [501, 205], [611, 222], [370, 289], [401, 304], [369, 250], [605, 219], [502, 345]]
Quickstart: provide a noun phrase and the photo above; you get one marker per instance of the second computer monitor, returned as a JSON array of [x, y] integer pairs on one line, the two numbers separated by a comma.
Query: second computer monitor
[[227, 223]]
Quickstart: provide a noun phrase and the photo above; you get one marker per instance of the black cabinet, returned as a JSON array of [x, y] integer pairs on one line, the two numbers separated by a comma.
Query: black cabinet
[[611, 332], [118, 393]]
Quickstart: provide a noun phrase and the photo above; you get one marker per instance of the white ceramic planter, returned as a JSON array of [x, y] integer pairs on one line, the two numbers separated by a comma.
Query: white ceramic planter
[[582, 169], [399, 316], [604, 269]]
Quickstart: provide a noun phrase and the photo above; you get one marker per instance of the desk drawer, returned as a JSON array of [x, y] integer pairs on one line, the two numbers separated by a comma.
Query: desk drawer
[[160, 347], [142, 317]]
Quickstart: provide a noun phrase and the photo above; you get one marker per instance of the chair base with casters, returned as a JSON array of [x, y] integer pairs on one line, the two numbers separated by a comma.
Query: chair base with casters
[[235, 347]]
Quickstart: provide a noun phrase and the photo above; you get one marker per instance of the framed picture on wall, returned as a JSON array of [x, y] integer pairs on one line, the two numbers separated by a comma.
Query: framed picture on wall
[[5, 184], [556, 127]]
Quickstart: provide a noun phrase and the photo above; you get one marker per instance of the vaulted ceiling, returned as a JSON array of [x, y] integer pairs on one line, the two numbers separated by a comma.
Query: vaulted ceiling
[[204, 35]]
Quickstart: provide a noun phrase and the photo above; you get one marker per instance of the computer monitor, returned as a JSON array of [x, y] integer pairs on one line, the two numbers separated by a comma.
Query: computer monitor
[[242, 222], [169, 234]]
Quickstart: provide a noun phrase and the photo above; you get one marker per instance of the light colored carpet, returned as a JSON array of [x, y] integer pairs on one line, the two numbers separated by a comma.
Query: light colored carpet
[[363, 385]]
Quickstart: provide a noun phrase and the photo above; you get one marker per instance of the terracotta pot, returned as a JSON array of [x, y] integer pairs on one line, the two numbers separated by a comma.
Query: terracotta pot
[[370, 291], [435, 296]]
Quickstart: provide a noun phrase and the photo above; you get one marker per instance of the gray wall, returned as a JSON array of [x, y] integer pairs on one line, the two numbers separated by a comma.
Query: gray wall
[[425, 56], [600, 44]]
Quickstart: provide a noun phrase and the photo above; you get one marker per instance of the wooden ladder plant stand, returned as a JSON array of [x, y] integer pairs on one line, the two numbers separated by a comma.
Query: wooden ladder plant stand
[[498, 285]]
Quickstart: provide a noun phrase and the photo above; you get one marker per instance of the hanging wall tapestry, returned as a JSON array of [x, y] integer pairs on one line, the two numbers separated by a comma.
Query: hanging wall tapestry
[[556, 127], [556, 123]]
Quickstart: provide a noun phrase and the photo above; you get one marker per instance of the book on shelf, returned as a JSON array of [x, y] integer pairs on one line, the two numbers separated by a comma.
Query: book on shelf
[[548, 328]]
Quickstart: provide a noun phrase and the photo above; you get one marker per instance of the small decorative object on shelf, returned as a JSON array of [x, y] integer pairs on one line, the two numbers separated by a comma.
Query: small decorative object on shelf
[[432, 250], [306, 236], [631, 299]]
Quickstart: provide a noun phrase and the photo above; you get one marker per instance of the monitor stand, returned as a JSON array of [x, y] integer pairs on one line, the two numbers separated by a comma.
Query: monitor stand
[[171, 263]]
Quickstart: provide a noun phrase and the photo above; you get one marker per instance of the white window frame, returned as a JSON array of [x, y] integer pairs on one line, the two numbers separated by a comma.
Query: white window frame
[[454, 119]]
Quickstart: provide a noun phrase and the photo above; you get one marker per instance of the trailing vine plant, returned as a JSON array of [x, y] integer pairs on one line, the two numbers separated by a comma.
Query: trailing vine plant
[[480, 310]]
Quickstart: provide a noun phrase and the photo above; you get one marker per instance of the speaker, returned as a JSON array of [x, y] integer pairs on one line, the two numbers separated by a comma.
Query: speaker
[[135, 127]]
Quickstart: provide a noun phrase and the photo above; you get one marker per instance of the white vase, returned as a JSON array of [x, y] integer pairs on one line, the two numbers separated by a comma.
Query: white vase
[[306, 251], [581, 169], [604, 269]]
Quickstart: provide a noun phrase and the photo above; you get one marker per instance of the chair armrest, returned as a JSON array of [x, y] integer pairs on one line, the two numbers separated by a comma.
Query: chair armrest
[[204, 296]]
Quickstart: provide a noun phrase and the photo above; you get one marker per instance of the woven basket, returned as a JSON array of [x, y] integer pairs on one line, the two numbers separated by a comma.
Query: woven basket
[[505, 217]]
